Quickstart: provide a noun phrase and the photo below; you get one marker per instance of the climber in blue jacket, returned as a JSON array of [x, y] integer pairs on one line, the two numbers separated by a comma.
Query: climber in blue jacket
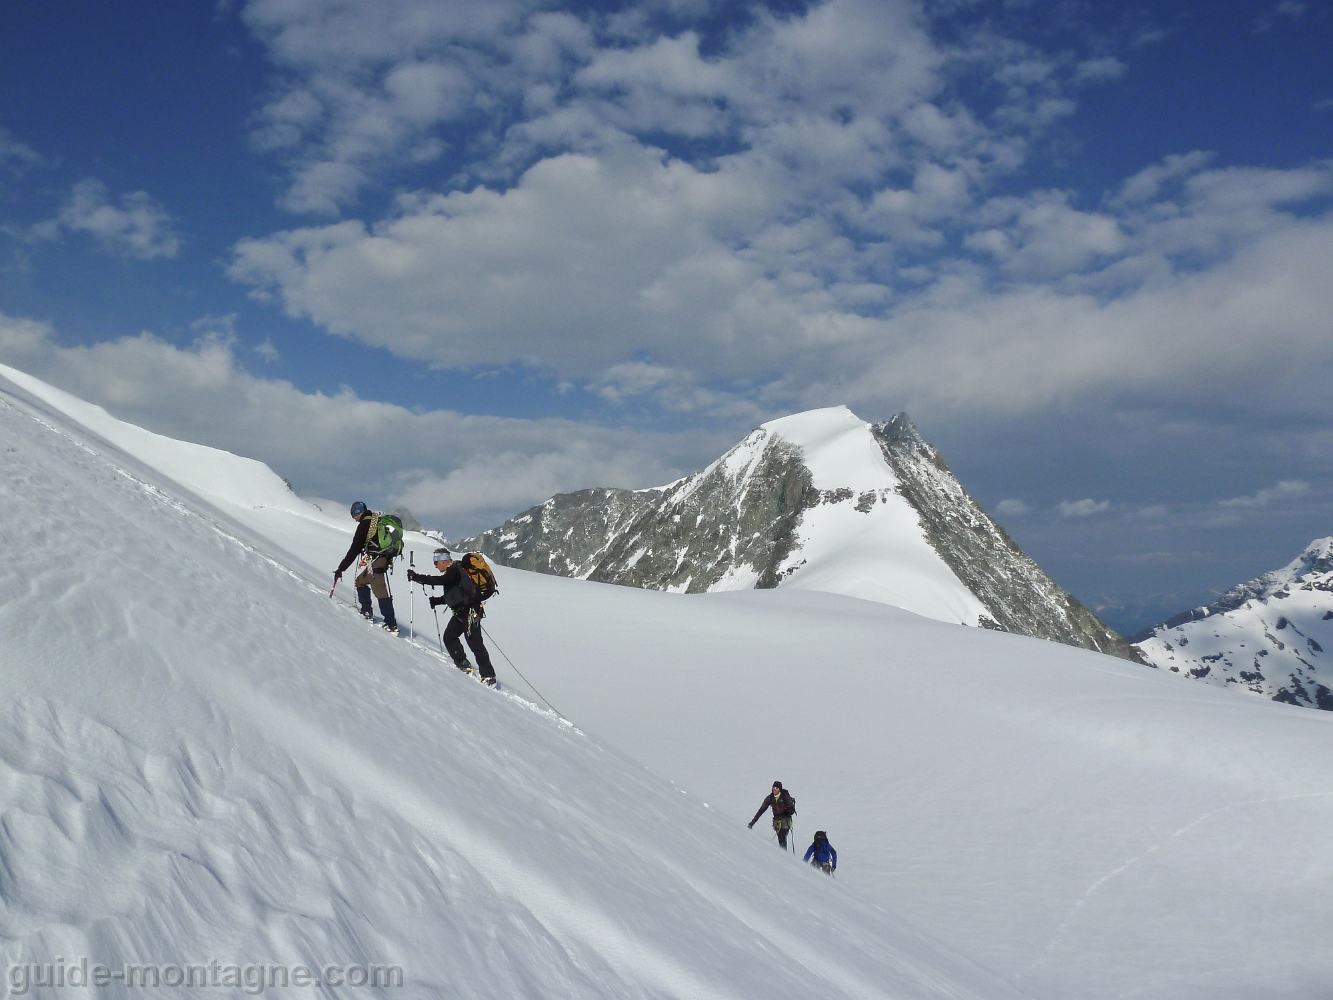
[[825, 857]]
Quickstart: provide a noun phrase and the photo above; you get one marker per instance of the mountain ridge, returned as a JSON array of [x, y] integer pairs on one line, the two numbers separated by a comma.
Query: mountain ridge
[[820, 500], [1262, 636]]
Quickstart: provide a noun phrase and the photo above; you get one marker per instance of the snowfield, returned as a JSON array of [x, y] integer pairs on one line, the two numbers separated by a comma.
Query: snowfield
[[205, 757]]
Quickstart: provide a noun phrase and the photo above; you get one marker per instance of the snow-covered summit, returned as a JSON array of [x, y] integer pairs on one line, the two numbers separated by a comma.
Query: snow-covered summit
[[1271, 636], [820, 500]]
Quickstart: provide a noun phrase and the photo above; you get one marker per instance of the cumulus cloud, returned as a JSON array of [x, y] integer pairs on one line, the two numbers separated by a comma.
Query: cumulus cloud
[[1099, 69], [1083, 508], [795, 214], [1286, 489], [842, 93], [1011, 508], [1197, 279], [460, 472], [140, 228], [15, 155]]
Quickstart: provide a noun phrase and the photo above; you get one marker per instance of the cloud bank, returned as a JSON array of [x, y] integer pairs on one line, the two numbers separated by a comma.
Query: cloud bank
[[800, 212], [458, 472]]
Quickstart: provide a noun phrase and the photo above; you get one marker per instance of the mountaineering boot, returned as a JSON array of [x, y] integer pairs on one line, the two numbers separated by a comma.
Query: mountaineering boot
[[463, 665], [386, 610], [489, 681], [363, 599]]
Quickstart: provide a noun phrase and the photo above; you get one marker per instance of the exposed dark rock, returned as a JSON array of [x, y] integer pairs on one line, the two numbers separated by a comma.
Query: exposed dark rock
[[410, 523], [1019, 595], [567, 534]]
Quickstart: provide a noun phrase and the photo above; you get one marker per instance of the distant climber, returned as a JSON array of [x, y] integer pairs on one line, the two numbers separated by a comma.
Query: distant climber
[[377, 541], [825, 857], [784, 808], [464, 597]]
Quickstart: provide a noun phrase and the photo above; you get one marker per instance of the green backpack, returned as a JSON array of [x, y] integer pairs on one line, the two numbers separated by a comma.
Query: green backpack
[[385, 537]]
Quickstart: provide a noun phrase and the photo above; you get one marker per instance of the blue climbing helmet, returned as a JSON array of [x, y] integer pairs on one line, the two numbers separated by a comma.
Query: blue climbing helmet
[[358, 509]]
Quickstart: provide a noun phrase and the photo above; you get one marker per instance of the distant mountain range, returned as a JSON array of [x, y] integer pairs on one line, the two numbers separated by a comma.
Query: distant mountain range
[[1271, 636], [820, 500]]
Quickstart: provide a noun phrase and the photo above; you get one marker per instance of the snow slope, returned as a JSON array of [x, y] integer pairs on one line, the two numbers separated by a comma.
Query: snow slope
[[1081, 826], [1271, 636], [203, 757]]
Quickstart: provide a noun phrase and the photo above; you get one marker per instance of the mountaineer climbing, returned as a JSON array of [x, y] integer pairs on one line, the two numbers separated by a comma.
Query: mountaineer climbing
[[377, 541], [784, 808]]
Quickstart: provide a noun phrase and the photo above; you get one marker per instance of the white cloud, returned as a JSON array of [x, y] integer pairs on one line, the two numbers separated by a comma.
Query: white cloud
[[833, 239], [141, 228], [16, 155], [1084, 508], [459, 472], [1099, 69], [1011, 508], [840, 94], [1041, 236], [1286, 489], [1211, 283]]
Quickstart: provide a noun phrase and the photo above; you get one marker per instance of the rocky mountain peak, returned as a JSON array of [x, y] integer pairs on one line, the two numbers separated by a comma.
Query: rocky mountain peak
[[900, 428], [819, 500]]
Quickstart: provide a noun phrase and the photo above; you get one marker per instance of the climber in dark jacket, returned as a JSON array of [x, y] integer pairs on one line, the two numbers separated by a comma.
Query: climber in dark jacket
[[460, 594], [784, 808], [825, 857]]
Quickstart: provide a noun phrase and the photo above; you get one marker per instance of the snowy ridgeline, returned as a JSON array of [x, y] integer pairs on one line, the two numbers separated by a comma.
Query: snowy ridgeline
[[1271, 636], [817, 501], [205, 757]]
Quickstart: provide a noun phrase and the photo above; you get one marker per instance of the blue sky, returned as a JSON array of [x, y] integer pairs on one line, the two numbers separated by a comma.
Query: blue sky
[[464, 255]]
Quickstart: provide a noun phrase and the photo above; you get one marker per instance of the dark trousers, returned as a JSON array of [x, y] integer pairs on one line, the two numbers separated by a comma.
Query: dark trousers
[[458, 627]]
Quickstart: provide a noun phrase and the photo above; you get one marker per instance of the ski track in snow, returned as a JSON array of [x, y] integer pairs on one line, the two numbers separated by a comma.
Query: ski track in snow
[[1067, 925]]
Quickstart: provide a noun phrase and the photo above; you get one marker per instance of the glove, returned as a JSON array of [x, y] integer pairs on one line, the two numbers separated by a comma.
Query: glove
[[337, 577], [435, 602], [412, 576], [749, 825]]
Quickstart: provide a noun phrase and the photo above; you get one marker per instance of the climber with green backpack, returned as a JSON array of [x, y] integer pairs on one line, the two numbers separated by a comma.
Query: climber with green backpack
[[377, 542]]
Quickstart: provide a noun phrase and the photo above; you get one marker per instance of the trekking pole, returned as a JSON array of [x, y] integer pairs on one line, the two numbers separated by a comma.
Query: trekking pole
[[438, 634], [336, 578], [412, 614]]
